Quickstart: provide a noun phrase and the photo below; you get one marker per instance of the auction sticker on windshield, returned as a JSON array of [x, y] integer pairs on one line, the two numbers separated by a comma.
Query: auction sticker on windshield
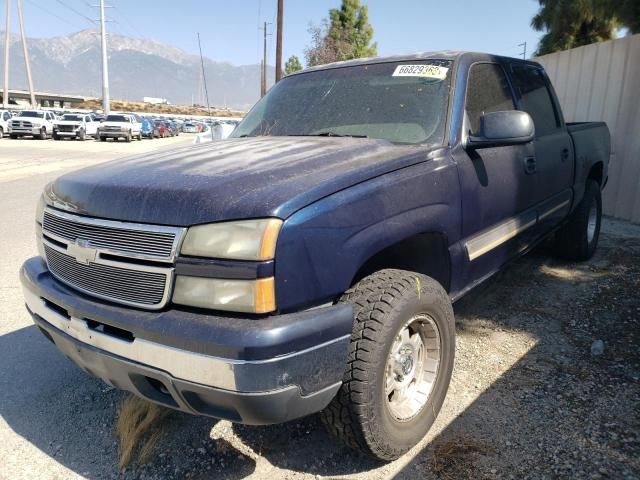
[[428, 71]]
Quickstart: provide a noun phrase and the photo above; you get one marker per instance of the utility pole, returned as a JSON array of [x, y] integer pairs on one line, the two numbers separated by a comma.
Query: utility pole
[[204, 79], [5, 97], [105, 67], [279, 43], [261, 78], [25, 50], [524, 50], [263, 87]]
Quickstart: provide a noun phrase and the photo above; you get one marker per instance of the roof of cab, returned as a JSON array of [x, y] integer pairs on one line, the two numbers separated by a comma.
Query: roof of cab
[[454, 55]]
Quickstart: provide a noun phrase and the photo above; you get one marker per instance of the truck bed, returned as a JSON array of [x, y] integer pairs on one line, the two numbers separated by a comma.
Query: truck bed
[[591, 143]]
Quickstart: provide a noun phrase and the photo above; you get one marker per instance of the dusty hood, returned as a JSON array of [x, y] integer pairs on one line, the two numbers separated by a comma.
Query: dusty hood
[[230, 179]]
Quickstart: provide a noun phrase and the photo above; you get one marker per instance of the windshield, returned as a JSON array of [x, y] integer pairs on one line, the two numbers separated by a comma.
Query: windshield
[[72, 118], [27, 113], [399, 102], [117, 118]]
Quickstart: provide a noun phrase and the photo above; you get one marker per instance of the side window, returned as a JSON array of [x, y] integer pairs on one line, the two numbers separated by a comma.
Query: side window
[[487, 91], [535, 98]]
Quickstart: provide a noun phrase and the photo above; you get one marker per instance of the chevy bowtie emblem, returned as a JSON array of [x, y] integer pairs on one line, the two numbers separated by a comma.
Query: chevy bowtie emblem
[[81, 250]]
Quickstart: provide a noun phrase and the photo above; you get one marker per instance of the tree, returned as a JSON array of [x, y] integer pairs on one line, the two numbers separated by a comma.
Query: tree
[[573, 23], [292, 65], [345, 36]]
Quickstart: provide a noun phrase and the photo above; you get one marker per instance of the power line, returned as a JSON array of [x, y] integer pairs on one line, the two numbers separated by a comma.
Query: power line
[[63, 19], [90, 20]]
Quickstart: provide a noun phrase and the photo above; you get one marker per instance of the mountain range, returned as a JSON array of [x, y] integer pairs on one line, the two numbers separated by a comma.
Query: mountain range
[[137, 68]]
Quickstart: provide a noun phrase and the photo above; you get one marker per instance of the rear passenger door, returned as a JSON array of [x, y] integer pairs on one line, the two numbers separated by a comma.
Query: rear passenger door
[[554, 155]]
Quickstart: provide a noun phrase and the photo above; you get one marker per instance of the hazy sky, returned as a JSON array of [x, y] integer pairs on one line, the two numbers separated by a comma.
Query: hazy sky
[[229, 29]]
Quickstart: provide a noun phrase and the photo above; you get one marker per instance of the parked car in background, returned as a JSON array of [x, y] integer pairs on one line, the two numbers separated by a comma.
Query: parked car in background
[[120, 126], [190, 127], [164, 129], [219, 130], [149, 129], [175, 128], [33, 123], [5, 117], [75, 125]]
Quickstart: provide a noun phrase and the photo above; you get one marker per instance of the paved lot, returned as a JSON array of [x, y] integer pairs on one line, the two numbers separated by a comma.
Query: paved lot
[[528, 398]]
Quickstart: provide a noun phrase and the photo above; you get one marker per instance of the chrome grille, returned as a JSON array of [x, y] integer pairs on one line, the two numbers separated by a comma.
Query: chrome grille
[[67, 128], [140, 241], [123, 262], [107, 281]]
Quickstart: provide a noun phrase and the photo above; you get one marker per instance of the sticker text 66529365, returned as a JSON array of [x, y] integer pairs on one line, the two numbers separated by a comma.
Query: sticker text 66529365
[[428, 71]]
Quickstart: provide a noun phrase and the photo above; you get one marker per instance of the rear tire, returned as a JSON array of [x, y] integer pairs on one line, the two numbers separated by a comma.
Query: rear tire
[[139, 137], [103, 139], [578, 238], [404, 330]]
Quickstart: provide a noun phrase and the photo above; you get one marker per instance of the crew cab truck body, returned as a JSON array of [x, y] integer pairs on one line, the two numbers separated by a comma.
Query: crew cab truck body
[[118, 126], [33, 123], [309, 263], [75, 125]]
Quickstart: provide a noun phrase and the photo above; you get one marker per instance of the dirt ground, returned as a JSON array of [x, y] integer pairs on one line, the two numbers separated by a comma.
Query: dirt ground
[[528, 399]]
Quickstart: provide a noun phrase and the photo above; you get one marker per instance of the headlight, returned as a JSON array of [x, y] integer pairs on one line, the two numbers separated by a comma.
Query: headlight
[[250, 296], [242, 240]]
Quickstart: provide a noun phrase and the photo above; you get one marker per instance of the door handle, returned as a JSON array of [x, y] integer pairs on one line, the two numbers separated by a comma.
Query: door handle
[[530, 165], [565, 154]]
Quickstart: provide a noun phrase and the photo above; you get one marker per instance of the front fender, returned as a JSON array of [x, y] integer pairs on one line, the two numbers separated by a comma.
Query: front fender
[[321, 247]]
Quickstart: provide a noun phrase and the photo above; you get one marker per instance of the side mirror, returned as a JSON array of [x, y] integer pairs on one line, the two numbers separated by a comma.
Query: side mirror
[[497, 129]]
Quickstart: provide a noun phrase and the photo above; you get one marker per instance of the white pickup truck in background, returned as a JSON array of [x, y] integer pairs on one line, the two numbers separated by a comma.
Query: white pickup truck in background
[[5, 116], [34, 123], [120, 126], [75, 125]]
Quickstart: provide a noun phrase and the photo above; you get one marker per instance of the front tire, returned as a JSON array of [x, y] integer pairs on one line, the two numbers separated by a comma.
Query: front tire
[[82, 135], [578, 239], [127, 138], [43, 134], [399, 364]]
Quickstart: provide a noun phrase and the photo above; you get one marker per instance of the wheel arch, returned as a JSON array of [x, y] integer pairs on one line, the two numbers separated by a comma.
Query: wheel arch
[[597, 173], [426, 253]]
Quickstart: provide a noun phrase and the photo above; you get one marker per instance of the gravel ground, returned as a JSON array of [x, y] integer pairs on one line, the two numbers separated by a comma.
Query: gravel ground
[[546, 383]]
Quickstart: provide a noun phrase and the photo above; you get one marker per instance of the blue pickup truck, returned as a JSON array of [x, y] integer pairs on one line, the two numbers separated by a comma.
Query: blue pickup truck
[[310, 262]]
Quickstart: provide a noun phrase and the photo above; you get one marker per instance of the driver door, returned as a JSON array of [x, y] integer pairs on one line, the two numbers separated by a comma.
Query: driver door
[[498, 188]]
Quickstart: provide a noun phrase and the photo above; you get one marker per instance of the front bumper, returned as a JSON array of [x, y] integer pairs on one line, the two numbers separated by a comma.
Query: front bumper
[[247, 370], [25, 131]]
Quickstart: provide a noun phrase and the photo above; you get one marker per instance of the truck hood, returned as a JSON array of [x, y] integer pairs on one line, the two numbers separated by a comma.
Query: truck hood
[[231, 179], [35, 121]]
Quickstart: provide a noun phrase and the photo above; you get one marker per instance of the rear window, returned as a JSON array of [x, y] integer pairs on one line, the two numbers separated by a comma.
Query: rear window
[[117, 118], [30, 114], [535, 98]]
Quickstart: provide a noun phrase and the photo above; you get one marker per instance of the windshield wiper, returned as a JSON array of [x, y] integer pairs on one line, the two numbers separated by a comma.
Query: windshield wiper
[[326, 134]]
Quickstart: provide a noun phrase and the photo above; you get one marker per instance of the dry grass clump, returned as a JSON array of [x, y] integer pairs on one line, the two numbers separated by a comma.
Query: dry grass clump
[[452, 458], [138, 428]]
